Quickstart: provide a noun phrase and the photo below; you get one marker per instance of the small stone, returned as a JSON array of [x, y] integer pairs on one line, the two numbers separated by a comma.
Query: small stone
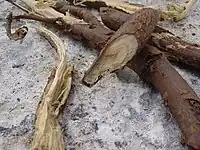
[[193, 34], [17, 65]]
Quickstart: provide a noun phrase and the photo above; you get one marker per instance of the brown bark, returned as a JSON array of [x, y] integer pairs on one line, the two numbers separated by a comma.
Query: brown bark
[[113, 18], [183, 52], [123, 45], [176, 50], [95, 36]]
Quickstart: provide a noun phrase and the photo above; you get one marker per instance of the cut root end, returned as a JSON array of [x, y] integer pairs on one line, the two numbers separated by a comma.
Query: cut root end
[[113, 57]]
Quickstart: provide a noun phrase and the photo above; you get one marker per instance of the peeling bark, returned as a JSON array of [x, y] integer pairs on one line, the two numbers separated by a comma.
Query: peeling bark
[[123, 45], [176, 50], [182, 52]]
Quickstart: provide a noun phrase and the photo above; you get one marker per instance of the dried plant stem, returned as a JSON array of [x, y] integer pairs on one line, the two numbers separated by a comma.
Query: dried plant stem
[[180, 11], [48, 134], [188, 8]]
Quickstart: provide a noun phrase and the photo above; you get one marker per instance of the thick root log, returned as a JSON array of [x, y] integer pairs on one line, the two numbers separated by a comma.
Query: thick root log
[[94, 36], [176, 50], [113, 18], [123, 45], [184, 104]]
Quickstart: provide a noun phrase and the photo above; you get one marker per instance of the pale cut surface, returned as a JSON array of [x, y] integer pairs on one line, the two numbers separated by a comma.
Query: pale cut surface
[[117, 54]]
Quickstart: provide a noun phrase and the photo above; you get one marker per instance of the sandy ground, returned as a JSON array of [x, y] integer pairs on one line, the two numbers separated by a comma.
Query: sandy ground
[[119, 113]]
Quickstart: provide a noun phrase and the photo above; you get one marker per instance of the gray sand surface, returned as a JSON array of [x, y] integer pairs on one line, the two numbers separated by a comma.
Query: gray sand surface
[[120, 112]]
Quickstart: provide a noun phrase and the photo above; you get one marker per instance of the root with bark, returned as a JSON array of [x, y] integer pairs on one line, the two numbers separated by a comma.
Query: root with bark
[[176, 49]]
